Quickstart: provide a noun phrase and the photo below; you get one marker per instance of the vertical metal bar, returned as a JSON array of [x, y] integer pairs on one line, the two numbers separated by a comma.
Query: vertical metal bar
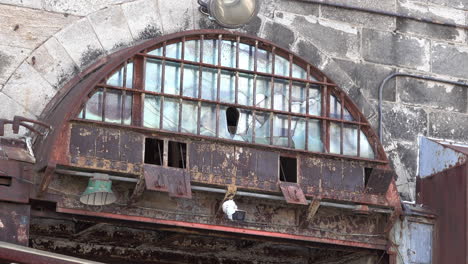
[[255, 74], [218, 84], [272, 121], [139, 65], [217, 120], [307, 133], [359, 136], [161, 106], [272, 81], [104, 105], [124, 95], [198, 117], [181, 84], [236, 99], [290, 82], [163, 71], [325, 112], [342, 123], [289, 131], [84, 110], [254, 114], [180, 116], [200, 82], [307, 95], [161, 112]]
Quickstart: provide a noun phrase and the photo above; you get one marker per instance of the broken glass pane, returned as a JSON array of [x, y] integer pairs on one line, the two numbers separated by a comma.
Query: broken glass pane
[[262, 127], [281, 66], [153, 75], [192, 50], [191, 81], [210, 51], [243, 129], [315, 136], [151, 111], [350, 140], [335, 110], [281, 97], [262, 98], [189, 117], [172, 78], [264, 61], [280, 130], [113, 107], [228, 53], [298, 130], [366, 150], [246, 57], [228, 87], [298, 98], [171, 114], [209, 84], [245, 89], [94, 106], [208, 120]]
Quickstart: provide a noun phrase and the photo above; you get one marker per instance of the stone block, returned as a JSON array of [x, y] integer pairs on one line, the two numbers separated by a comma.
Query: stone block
[[431, 30], [78, 7], [448, 125], [369, 76], [364, 19], [438, 13], [142, 18], [80, 41], [29, 89], [450, 59], [310, 52], [52, 61], [111, 28], [331, 69], [8, 109], [24, 3], [178, 15], [377, 5], [28, 28], [396, 49], [462, 4], [269, 7], [334, 38], [279, 34], [10, 58], [404, 122], [437, 95]]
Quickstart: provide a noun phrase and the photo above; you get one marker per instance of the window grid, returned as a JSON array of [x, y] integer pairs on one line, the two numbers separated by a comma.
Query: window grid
[[138, 90]]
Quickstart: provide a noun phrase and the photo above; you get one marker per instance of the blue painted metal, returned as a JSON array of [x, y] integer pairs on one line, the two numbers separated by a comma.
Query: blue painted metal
[[435, 157]]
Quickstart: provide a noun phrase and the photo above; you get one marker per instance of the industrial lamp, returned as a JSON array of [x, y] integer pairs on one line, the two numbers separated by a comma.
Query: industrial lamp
[[229, 13], [99, 191]]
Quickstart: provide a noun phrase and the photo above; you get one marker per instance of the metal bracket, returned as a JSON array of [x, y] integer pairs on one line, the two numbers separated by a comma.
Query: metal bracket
[[20, 121], [293, 193]]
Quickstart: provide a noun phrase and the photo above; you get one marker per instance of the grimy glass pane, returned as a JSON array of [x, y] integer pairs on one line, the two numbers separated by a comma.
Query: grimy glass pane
[[113, 107], [191, 81], [156, 52], [209, 84], [94, 106], [366, 150], [298, 98], [172, 78], [264, 61], [262, 122], [81, 114], [171, 114], [281, 66], [127, 110], [210, 51], [208, 120], [244, 130], [189, 117], [245, 89], [281, 97], [153, 75], [335, 110], [129, 80], [228, 87], [192, 50], [263, 89], [315, 101], [315, 136], [116, 79], [280, 130], [298, 132], [228, 53], [246, 57], [299, 72], [350, 140], [335, 138], [151, 111], [174, 50]]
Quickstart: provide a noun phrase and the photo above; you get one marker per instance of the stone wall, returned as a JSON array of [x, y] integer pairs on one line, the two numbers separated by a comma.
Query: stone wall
[[45, 43]]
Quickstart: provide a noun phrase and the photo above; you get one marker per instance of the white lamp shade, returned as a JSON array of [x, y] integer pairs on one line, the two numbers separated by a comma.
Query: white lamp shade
[[233, 13]]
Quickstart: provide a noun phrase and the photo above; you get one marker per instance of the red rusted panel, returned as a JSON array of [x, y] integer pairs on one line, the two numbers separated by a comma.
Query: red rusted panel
[[176, 181], [311, 171], [131, 146], [267, 166], [353, 177], [292, 192], [379, 180], [15, 149], [446, 194], [14, 223], [107, 144], [83, 140], [155, 178], [200, 157], [332, 173], [223, 162], [18, 189]]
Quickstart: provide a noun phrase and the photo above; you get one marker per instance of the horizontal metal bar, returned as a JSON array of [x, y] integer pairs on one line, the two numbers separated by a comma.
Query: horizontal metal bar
[[239, 193]]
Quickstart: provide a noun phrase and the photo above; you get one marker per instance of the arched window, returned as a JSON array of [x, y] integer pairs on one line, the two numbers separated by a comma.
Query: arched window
[[232, 88]]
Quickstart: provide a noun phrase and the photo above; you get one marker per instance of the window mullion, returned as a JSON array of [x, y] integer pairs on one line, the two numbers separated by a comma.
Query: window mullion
[[342, 123], [200, 83], [272, 94], [307, 109]]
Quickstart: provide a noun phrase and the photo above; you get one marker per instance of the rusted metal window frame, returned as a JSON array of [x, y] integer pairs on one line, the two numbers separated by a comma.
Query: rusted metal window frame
[[326, 90]]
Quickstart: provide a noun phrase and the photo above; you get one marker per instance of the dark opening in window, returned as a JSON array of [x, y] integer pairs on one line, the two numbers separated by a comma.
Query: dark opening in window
[[5, 181], [154, 149], [288, 169], [367, 173], [232, 117], [177, 153]]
